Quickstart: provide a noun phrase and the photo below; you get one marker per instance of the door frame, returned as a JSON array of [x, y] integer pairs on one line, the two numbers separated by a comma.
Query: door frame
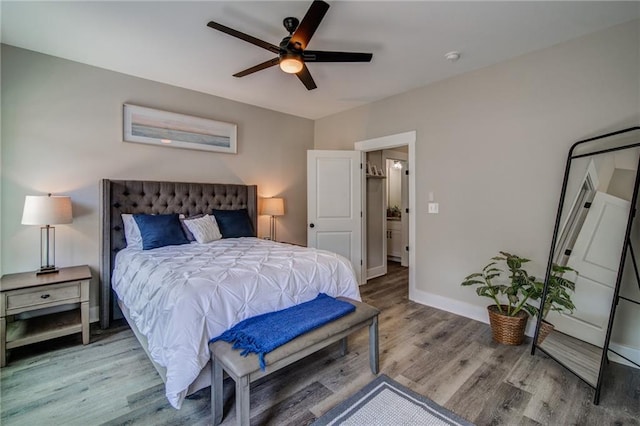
[[389, 142], [576, 215]]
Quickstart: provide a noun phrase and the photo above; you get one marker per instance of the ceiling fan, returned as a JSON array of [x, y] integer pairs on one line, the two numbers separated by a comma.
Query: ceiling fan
[[291, 52]]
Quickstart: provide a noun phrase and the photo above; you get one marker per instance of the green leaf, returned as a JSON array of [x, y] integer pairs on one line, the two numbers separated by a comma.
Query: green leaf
[[477, 274], [532, 310], [519, 287], [488, 266], [484, 292], [501, 288], [471, 282]]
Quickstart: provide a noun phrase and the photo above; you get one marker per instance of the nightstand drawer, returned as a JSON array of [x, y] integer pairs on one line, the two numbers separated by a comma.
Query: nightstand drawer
[[46, 296]]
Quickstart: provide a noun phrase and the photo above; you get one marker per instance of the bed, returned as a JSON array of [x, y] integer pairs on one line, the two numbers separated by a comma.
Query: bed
[[176, 297]]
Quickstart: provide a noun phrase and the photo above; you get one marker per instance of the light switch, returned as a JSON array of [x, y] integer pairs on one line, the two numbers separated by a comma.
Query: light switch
[[433, 208]]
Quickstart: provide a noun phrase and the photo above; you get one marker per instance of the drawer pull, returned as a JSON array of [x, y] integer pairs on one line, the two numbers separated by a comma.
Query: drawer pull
[[44, 296]]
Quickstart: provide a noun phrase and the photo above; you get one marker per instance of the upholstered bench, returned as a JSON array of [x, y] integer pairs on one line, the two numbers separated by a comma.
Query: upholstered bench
[[245, 370]]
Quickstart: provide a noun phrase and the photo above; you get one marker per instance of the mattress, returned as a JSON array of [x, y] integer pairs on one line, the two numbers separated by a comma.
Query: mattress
[[179, 297]]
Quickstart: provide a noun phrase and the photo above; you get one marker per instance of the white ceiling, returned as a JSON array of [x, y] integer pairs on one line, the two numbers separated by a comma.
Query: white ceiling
[[169, 42]]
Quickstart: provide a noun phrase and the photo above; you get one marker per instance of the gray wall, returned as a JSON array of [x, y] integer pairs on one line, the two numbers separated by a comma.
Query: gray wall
[[491, 146], [62, 132]]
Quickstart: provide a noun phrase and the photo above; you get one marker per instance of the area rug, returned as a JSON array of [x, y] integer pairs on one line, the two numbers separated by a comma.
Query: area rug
[[385, 402]]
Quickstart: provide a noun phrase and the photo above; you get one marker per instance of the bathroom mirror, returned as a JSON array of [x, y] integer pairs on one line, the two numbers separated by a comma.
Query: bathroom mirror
[[588, 252], [394, 187]]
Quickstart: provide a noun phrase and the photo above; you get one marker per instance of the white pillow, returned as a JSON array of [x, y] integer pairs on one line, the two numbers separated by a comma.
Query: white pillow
[[204, 229], [131, 232]]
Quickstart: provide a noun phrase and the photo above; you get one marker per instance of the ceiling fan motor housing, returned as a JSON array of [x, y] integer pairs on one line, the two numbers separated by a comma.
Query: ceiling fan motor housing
[[291, 24]]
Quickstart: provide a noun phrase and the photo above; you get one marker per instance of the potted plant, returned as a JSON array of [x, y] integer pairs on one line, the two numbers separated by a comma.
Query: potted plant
[[508, 316], [558, 298]]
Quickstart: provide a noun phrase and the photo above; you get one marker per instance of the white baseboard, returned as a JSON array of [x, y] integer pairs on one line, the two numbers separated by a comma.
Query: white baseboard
[[94, 314], [480, 314], [460, 308], [450, 305], [632, 353]]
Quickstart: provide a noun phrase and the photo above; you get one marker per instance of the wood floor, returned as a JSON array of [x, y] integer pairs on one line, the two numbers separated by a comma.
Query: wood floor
[[447, 358]]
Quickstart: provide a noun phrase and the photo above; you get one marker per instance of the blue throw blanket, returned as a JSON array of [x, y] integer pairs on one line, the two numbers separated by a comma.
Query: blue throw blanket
[[263, 333]]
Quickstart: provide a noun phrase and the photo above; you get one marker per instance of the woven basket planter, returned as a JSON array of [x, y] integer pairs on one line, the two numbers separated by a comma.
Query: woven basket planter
[[505, 329], [545, 329]]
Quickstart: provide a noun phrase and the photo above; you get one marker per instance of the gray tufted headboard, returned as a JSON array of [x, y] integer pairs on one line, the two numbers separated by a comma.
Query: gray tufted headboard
[[130, 196]]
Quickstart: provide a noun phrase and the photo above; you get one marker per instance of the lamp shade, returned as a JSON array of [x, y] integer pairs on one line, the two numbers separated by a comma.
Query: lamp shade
[[272, 206], [46, 210]]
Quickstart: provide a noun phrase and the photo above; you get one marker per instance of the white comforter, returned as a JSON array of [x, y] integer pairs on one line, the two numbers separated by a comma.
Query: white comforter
[[181, 296]]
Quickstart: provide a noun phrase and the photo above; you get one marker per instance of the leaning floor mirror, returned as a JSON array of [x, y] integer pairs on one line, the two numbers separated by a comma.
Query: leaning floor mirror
[[589, 312]]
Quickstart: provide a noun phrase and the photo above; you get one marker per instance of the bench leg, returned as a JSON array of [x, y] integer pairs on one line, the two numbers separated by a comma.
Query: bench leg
[[343, 346], [216, 392], [242, 401], [373, 346]]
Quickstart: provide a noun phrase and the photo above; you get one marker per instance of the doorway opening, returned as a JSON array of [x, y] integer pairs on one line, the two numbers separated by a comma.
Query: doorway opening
[[388, 204]]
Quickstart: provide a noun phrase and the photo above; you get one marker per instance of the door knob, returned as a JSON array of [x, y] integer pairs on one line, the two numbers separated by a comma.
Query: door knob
[[311, 225]]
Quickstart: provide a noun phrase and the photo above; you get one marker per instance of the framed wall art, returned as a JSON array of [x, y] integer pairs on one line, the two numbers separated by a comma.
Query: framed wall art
[[155, 127]]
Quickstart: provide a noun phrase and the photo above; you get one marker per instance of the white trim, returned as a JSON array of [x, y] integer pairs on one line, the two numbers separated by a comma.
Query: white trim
[[631, 353], [454, 306], [464, 309], [387, 142], [392, 141], [94, 314]]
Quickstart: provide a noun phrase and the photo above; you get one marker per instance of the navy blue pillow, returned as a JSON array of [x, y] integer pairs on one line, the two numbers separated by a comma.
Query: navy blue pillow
[[234, 223], [160, 230]]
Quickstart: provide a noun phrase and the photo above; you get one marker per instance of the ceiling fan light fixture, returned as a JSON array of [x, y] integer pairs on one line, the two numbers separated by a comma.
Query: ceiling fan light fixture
[[292, 53], [291, 64]]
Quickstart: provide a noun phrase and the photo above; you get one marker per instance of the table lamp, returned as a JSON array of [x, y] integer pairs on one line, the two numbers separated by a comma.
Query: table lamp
[[272, 207], [47, 210]]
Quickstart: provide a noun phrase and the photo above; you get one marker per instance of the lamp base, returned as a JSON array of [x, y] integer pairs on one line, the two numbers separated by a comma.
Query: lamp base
[[46, 270], [47, 250], [272, 231]]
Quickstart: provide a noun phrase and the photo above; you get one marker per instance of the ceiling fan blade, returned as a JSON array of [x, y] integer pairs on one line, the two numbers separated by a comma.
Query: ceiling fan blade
[[242, 36], [308, 25], [306, 79], [318, 56], [259, 67]]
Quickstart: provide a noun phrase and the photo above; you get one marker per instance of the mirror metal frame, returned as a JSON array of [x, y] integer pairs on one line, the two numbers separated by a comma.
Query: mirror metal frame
[[556, 229]]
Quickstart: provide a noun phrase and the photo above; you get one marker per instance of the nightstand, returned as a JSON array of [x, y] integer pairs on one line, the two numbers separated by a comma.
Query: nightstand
[[27, 292]]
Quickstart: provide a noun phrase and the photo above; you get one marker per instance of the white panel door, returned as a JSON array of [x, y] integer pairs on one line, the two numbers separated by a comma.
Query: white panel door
[[596, 257], [334, 204]]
